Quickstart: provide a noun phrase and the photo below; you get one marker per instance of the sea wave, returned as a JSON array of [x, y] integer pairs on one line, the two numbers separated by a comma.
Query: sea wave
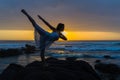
[[92, 48], [88, 46], [83, 55], [71, 45]]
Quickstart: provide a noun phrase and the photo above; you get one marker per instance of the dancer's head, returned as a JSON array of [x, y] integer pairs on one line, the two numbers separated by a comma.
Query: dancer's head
[[60, 27]]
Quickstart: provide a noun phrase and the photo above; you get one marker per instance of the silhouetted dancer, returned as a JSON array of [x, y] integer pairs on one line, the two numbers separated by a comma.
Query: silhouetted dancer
[[46, 38]]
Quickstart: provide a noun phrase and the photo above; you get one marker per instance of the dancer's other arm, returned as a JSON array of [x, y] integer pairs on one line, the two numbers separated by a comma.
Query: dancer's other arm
[[50, 26], [62, 36]]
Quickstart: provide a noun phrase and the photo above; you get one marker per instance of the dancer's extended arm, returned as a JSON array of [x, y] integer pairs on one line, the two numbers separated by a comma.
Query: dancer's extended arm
[[50, 26], [62, 36]]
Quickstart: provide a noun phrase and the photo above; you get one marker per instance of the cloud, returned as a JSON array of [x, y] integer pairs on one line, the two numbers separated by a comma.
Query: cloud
[[80, 15]]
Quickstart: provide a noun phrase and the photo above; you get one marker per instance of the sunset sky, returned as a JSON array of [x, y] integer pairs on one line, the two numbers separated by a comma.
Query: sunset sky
[[83, 19]]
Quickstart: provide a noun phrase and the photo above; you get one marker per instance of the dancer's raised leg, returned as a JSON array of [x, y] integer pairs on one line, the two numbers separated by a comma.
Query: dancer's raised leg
[[35, 25]]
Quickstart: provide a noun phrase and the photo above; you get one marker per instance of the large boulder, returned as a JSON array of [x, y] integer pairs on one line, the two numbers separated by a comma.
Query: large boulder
[[46, 75], [12, 72], [53, 69], [109, 71], [108, 68]]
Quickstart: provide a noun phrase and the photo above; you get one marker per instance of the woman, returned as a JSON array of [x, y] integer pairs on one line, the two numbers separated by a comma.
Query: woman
[[46, 38]]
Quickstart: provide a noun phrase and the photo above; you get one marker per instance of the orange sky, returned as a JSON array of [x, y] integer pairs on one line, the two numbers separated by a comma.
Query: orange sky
[[16, 35], [71, 35], [83, 19]]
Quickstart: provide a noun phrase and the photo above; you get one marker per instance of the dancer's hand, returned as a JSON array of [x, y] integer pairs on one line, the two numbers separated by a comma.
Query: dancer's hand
[[39, 16], [62, 36]]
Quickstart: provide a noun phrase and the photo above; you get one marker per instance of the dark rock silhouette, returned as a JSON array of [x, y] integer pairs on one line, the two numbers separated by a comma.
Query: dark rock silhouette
[[108, 68], [29, 48], [17, 51], [71, 58], [12, 72], [97, 61], [9, 52], [112, 70], [46, 75], [53, 69], [107, 56]]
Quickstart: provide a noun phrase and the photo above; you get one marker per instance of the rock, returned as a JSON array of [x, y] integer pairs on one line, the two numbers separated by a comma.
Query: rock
[[71, 58], [97, 61], [62, 73], [12, 72], [10, 52], [46, 75], [53, 69], [84, 69], [108, 68], [51, 59], [29, 48], [107, 56]]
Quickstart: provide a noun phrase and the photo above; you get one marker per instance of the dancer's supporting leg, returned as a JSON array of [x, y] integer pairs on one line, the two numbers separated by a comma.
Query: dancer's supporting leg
[[42, 55]]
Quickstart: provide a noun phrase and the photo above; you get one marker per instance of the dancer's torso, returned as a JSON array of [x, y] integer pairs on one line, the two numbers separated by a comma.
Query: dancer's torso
[[48, 39]]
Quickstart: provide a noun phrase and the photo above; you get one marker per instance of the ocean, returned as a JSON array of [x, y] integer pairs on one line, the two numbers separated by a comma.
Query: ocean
[[89, 51]]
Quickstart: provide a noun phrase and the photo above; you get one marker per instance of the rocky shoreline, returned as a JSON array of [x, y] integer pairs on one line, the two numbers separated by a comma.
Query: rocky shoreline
[[17, 51], [53, 69], [107, 71]]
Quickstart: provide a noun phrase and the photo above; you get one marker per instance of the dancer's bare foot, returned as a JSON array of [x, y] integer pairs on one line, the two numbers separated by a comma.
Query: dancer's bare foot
[[24, 12]]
